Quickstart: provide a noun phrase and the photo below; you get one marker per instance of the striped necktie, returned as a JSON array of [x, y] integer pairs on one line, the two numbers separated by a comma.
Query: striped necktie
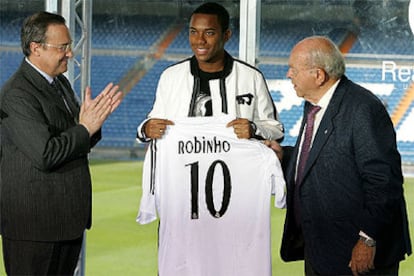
[[65, 97], [306, 144], [303, 157]]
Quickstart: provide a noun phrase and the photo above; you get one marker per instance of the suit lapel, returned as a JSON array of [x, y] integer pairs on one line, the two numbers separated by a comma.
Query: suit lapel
[[327, 124], [57, 99], [37, 80], [44, 86], [70, 95]]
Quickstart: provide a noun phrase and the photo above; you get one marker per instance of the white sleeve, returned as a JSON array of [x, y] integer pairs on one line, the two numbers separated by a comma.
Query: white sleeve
[[140, 133], [147, 210], [278, 182], [267, 125], [280, 193]]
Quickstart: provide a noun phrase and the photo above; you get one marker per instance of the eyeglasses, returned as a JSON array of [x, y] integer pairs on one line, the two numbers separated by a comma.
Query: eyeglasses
[[61, 48]]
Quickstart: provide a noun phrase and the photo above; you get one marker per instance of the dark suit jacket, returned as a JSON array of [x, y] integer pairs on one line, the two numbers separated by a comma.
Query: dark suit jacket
[[46, 186], [352, 182]]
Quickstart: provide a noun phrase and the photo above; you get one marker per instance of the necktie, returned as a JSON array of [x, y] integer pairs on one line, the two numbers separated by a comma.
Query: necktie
[[304, 153], [70, 105], [303, 157]]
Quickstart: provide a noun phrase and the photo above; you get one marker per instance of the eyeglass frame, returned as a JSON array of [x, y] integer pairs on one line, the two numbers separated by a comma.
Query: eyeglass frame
[[61, 47]]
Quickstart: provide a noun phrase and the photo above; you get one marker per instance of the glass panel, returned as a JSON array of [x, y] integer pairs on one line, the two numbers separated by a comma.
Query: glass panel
[[376, 39], [133, 41]]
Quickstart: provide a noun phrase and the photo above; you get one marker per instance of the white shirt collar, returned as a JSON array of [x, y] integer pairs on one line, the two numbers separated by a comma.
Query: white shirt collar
[[323, 103], [326, 98], [45, 75]]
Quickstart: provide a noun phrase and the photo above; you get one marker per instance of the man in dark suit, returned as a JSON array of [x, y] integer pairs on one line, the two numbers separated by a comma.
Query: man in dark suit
[[346, 212], [45, 141]]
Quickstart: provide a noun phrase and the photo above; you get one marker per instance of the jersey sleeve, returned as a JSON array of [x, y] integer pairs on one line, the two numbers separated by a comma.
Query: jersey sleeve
[[147, 210], [278, 182]]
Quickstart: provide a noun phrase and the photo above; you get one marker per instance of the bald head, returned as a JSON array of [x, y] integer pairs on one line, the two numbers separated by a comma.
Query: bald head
[[315, 65], [321, 52]]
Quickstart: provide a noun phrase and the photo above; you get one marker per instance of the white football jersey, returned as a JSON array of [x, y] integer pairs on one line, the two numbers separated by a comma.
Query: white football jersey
[[212, 193]]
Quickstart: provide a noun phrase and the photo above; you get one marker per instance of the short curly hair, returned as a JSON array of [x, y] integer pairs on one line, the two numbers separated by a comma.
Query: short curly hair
[[215, 9]]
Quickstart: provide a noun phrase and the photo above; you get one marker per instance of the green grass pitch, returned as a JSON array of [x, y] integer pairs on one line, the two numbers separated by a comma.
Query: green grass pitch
[[117, 245]]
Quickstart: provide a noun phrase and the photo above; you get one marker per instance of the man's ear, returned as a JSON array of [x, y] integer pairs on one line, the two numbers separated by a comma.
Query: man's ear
[[321, 76], [34, 48], [227, 35]]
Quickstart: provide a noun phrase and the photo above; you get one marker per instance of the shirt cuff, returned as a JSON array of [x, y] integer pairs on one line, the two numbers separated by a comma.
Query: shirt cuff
[[362, 234]]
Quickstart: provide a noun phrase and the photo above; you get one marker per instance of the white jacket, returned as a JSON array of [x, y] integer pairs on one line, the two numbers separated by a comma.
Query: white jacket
[[242, 93]]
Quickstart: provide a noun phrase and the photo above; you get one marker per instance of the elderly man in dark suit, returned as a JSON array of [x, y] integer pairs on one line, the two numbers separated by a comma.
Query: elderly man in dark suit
[[346, 212], [45, 140]]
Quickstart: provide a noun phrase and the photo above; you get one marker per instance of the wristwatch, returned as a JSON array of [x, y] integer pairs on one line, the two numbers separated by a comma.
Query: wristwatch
[[253, 128], [368, 241]]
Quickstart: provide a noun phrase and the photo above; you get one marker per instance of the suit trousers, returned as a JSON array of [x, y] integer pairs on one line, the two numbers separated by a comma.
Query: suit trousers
[[41, 258]]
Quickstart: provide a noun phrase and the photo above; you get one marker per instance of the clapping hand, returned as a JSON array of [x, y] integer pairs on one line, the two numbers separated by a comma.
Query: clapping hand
[[94, 112]]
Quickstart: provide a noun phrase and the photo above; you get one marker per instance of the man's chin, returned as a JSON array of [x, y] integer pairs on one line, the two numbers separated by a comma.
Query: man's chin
[[63, 67], [202, 57]]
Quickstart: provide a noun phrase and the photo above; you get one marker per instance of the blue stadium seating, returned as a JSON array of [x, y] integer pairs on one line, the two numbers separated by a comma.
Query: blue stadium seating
[[119, 129], [115, 33], [128, 32], [10, 27], [392, 43], [9, 62]]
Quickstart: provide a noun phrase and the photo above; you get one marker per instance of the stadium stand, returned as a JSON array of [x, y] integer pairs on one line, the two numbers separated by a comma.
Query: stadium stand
[[128, 32], [9, 61], [368, 43], [113, 36]]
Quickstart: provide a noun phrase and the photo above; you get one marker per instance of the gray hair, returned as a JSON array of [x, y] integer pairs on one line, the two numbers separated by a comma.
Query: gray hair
[[327, 57]]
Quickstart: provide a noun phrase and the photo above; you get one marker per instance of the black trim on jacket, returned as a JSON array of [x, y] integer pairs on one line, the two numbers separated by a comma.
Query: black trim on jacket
[[195, 71]]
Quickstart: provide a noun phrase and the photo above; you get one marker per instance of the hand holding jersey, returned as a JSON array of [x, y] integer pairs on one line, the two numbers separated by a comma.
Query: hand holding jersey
[[155, 128], [276, 147], [243, 128]]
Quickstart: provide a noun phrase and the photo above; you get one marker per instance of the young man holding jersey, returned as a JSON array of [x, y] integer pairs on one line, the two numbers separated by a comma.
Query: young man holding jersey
[[212, 83]]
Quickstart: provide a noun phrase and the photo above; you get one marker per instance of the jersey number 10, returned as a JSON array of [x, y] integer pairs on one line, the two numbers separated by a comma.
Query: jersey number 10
[[209, 189]]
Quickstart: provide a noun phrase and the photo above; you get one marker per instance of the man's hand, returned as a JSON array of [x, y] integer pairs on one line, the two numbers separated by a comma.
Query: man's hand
[[362, 260], [94, 112], [275, 146], [242, 128], [155, 128]]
